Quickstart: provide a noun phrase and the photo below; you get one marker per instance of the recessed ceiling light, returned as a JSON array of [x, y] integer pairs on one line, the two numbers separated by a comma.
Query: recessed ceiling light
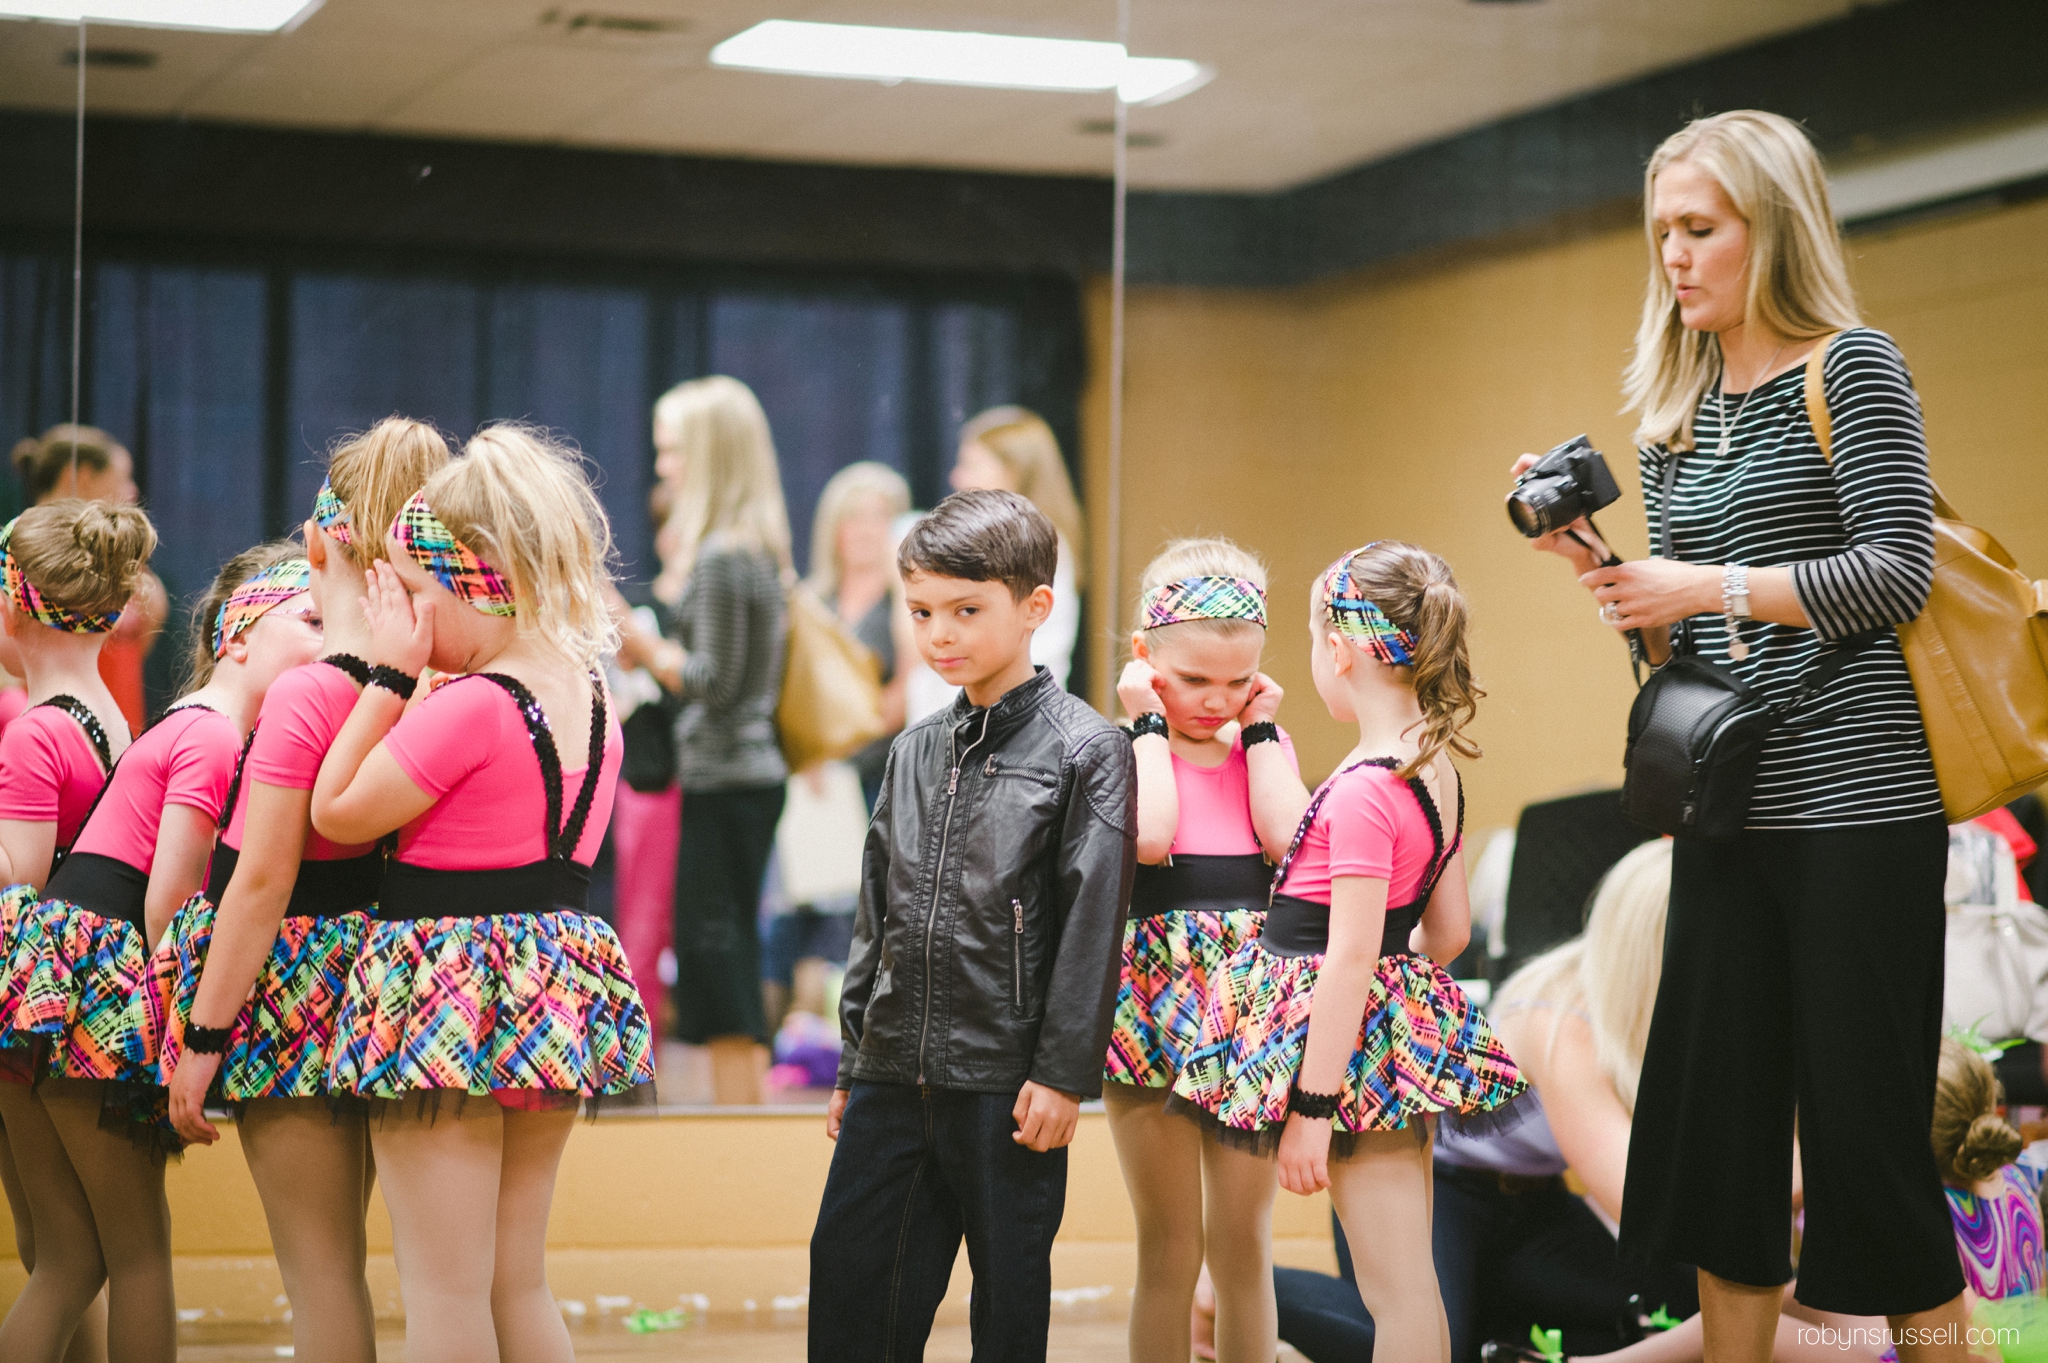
[[235, 16], [944, 57]]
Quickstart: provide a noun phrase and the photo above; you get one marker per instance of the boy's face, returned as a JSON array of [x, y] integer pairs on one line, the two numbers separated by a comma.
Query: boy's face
[[974, 635]]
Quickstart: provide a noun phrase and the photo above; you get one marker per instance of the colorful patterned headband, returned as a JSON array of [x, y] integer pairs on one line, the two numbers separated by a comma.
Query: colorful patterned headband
[[1206, 598], [248, 603], [1360, 620], [330, 513], [434, 547], [32, 603]]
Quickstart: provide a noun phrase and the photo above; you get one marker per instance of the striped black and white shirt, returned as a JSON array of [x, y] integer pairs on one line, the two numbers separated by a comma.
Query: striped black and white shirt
[[1859, 538]]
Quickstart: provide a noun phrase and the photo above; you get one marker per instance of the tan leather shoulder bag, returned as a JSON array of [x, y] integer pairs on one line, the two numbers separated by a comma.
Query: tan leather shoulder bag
[[1978, 652]]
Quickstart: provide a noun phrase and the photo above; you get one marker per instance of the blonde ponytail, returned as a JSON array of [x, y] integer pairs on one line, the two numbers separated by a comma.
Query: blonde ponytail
[[1415, 590]]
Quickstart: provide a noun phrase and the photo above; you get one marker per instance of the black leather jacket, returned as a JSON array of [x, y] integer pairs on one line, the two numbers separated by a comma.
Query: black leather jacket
[[993, 890]]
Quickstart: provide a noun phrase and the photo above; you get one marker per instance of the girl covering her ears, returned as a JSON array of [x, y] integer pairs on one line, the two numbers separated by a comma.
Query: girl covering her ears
[[248, 986], [79, 964], [1336, 1031], [1217, 785], [484, 980]]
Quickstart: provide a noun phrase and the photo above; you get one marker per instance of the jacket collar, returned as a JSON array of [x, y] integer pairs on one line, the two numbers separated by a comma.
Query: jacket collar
[[1016, 705]]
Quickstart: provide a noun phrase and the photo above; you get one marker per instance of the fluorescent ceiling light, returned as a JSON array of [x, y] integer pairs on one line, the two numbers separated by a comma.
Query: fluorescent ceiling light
[[942, 57], [236, 16]]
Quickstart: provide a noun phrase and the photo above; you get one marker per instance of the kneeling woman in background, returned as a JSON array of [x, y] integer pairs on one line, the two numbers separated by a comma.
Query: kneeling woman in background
[[486, 1004]]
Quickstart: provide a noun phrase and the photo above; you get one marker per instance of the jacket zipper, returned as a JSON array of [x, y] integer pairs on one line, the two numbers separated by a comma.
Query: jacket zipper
[[931, 919], [1017, 956]]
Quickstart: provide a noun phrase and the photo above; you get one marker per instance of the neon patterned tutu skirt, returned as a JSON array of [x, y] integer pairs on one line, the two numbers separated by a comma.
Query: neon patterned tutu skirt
[[282, 1042], [1423, 1049], [536, 1010], [1162, 992], [71, 990]]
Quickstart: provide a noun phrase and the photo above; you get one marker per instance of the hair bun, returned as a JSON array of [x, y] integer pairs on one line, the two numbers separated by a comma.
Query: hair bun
[[1989, 1145], [117, 540], [25, 452]]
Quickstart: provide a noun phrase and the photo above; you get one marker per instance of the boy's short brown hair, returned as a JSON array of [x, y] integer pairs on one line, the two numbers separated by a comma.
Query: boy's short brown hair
[[984, 536]]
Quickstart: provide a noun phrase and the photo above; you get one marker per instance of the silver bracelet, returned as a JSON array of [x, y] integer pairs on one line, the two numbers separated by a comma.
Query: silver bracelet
[[1735, 607]]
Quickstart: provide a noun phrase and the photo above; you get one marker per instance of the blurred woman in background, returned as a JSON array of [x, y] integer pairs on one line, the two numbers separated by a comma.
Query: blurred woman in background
[[725, 552], [1013, 449], [853, 570], [87, 463]]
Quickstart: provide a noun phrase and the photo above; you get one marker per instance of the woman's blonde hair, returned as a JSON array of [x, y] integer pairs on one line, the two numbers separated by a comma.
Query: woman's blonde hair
[[1971, 1140], [1212, 556], [199, 659], [1798, 284], [83, 556], [376, 472], [731, 484], [521, 500], [1415, 590], [842, 492], [1608, 973], [1026, 446]]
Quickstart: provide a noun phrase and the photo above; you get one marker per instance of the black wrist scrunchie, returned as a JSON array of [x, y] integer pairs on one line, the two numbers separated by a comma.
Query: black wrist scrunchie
[[1321, 1106], [205, 1040], [1151, 722], [391, 679]]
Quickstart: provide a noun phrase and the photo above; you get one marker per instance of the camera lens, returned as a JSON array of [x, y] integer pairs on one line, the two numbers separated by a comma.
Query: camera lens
[[1525, 519], [1541, 505]]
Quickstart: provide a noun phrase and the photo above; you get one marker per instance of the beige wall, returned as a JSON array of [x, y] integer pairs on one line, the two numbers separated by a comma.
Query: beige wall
[[1305, 422]]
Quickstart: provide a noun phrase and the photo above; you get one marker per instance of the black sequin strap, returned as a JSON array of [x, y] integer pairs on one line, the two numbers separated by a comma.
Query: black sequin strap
[[88, 721], [561, 845]]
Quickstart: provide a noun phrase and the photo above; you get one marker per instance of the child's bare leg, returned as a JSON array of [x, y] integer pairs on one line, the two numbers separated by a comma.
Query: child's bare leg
[[529, 1324], [312, 1170], [440, 1175], [1382, 1199], [1239, 1241], [1161, 1156]]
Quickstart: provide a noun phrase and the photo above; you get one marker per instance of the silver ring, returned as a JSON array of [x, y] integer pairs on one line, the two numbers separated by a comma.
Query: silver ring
[[1609, 615]]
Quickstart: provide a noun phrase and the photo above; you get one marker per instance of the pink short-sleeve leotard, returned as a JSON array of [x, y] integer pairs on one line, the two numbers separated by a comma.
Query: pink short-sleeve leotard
[[1216, 805], [185, 758], [1369, 824], [466, 745], [49, 771], [302, 712]]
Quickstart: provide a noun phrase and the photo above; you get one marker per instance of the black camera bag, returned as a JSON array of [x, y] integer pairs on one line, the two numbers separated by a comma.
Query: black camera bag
[[1696, 732]]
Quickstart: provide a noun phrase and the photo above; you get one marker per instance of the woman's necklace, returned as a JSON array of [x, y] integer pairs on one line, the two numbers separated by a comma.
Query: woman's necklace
[[1721, 402]]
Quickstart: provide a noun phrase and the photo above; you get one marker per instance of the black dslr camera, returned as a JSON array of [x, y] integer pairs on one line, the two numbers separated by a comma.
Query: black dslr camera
[[1569, 482]]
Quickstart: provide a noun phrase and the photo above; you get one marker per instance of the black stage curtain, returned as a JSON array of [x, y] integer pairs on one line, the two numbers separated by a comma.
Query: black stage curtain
[[228, 370]]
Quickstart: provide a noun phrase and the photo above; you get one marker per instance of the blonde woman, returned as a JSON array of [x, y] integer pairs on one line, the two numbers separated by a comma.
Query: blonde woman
[[486, 1004], [725, 552], [1823, 919], [1012, 449], [853, 570]]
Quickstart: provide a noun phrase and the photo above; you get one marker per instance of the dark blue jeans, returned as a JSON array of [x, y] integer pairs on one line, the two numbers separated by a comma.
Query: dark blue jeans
[[917, 1170]]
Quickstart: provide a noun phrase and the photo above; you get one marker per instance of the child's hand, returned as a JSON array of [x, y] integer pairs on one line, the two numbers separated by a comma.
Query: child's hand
[[401, 629], [1045, 1117], [835, 1113], [189, 1083], [1138, 689], [1305, 1155], [1262, 702]]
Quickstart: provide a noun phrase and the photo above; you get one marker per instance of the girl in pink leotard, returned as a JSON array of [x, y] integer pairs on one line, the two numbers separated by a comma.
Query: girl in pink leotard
[[1217, 787], [261, 957], [1335, 1038], [484, 977], [65, 580]]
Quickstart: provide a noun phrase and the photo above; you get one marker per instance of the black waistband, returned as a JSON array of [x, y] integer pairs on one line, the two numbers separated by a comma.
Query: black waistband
[[413, 892], [1215, 884], [322, 889], [1301, 927], [109, 886]]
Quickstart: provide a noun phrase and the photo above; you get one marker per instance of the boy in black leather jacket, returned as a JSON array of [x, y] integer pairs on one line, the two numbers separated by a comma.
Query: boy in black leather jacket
[[977, 1002]]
